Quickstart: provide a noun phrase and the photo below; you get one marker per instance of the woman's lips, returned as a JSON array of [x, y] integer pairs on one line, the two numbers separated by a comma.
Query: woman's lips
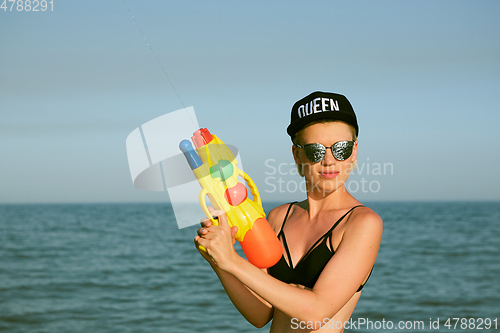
[[329, 174]]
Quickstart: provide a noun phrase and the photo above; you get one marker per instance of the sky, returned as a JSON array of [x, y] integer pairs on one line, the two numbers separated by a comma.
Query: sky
[[422, 76]]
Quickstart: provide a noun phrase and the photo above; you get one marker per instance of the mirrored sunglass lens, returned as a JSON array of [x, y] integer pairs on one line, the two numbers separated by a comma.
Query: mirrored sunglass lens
[[315, 152], [342, 150]]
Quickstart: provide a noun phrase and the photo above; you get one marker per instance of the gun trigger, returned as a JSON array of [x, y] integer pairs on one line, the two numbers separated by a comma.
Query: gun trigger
[[215, 220]]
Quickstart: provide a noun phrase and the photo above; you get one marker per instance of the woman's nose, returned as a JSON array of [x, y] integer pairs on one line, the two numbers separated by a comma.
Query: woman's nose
[[329, 159]]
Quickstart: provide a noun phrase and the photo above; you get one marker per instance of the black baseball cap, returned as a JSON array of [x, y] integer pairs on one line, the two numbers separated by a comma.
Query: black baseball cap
[[321, 106]]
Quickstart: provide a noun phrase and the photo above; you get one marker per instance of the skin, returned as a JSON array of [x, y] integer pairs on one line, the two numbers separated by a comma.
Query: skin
[[260, 297]]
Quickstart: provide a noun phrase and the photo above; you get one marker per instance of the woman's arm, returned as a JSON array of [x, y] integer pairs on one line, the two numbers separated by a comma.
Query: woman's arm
[[256, 310], [337, 283]]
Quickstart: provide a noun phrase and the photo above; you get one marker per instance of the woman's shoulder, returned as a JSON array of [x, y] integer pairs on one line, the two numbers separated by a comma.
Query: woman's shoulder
[[277, 215], [364, 218]]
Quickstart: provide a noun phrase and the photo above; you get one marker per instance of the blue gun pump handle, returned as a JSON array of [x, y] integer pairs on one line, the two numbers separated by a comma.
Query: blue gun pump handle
[[192, 157]]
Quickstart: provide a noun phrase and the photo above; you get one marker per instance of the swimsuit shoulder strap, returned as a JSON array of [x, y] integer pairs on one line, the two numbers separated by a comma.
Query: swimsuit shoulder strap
[[286, 216], [282, 234], [340, 219]]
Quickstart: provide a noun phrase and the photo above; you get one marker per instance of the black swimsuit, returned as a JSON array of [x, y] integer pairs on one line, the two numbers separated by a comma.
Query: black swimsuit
[[307, 271]]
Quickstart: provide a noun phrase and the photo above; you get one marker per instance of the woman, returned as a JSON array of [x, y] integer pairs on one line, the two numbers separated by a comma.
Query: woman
[[330, 240]]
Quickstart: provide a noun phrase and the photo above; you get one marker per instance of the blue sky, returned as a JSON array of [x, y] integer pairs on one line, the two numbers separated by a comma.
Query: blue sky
[[422, 76]]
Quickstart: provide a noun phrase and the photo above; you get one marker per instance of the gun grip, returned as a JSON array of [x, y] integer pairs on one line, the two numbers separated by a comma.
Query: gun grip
[[203, 205]]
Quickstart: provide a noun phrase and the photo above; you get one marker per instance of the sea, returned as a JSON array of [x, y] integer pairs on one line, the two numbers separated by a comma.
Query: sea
[[128, 268]]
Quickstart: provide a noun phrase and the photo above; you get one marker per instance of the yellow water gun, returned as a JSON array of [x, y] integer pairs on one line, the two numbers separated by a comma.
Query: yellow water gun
[[215, 167]]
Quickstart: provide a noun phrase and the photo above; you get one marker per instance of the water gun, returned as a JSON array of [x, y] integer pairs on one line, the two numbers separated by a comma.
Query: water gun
[[215, 167]]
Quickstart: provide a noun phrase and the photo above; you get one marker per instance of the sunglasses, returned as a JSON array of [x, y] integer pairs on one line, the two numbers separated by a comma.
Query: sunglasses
[[315, 152]]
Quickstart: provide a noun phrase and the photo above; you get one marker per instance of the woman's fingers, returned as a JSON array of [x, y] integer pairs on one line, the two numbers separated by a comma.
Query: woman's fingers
[[205, 223], [202, 231], [221, 216], [203, 250], [215, 240]]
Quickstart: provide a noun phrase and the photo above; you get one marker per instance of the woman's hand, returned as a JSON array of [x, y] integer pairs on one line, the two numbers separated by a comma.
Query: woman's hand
[[217, 240]]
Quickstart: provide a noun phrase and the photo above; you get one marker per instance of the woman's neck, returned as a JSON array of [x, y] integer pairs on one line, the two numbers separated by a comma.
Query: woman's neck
[[317, 202]]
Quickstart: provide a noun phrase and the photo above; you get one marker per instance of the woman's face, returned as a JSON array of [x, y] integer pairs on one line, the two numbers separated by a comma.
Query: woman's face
[[329, 174]]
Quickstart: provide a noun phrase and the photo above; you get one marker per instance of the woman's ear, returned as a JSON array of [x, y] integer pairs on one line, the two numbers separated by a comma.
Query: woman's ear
[[295, 152], [298, 162], [354, 154]]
